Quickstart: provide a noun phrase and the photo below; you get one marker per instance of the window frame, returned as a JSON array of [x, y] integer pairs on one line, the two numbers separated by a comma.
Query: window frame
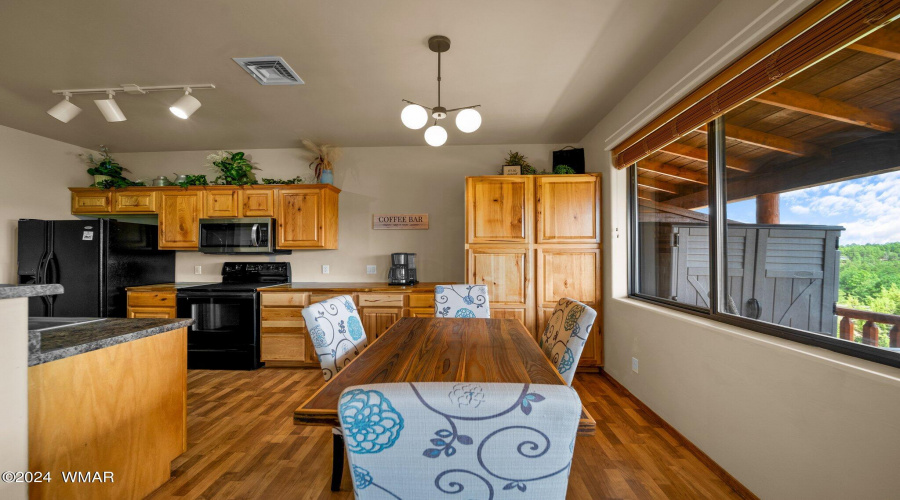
[[717, 234]]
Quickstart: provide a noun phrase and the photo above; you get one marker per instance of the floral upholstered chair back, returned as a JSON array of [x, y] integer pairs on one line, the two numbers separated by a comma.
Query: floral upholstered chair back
[[461, 301], [565, 335], [432, 440], [336, 333]]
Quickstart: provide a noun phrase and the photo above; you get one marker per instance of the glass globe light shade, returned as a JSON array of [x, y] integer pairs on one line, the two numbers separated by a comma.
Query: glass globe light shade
[[468, 120], [435, 135], [414, 116]]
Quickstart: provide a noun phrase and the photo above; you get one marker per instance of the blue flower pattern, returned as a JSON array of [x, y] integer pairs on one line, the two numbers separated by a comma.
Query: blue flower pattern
[[504, 438], [565, 335], [370, 422], [451, 300], [355, 327], [317, 335], [336, 333]]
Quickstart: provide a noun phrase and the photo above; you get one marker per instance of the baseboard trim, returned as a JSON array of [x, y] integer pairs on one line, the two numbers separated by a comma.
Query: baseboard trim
[[717, 469]]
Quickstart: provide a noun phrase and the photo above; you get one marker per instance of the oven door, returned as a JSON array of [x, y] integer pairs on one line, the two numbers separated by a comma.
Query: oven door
[[232, 236], [223, 321]]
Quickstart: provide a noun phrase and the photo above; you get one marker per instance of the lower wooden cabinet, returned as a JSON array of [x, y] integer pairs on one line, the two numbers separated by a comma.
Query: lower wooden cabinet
[[157, 304], [284, 339], [376, 320]]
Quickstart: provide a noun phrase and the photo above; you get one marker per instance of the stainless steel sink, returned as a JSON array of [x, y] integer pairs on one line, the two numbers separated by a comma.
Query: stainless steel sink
[[43, 324]]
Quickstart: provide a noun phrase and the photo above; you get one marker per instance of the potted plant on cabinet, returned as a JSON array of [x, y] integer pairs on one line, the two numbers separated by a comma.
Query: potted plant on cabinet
[[106, 171], [323, 163], [234, 168], [515, 159]]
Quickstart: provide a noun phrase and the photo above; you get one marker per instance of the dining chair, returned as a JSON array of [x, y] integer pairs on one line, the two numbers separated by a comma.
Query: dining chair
[[338, 336], [423, 440], [565, 335], [461, 301]]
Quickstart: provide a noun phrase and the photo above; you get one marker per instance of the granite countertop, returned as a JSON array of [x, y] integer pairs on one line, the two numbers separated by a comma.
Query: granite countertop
[[356, 287], [16, 291], [58, 343]]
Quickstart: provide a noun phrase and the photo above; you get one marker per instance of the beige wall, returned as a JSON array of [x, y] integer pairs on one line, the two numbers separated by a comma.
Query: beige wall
[[34, 178], [787, 420], [373, 180]]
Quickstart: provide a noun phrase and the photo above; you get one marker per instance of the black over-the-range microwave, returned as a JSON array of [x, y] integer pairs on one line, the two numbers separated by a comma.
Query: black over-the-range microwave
[[246, 235]]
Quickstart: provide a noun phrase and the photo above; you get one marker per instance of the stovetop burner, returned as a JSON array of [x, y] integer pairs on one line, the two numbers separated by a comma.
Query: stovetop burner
[[246, 276]]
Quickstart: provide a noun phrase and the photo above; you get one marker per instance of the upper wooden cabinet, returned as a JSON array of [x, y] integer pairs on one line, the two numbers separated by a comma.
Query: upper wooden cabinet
[[567, 209], [91, 201], [307, 217], [307, 214], [498, 209], [222, 201], [134, 202], [179, 219], [257, 201]]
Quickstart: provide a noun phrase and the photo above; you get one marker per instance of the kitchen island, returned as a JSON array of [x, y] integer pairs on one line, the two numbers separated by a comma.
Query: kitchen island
[[108, 398]]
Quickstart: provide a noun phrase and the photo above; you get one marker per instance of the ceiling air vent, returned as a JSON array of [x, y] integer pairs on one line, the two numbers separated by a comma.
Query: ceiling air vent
[[269, 70]]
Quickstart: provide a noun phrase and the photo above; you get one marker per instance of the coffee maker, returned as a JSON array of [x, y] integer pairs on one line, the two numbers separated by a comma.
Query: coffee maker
[[403, 269]]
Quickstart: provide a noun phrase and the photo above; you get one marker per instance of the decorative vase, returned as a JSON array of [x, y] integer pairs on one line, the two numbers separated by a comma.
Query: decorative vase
[[327, 177]]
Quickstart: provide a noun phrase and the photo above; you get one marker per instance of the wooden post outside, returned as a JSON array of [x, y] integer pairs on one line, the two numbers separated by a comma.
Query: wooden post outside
[[846, 329], [895, 336], [767, 209], [870, 333]]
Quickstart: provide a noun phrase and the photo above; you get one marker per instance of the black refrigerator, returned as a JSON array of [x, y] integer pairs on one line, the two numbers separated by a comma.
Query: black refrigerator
[[94, 260]]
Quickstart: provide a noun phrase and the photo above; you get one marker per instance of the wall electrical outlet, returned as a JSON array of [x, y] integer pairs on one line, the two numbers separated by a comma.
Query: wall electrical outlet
[[371, 270], [198, 269], [326, 269], [634, 365]]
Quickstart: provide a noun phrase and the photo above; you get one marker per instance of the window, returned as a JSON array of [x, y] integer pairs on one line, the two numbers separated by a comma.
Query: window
[[784, 215]]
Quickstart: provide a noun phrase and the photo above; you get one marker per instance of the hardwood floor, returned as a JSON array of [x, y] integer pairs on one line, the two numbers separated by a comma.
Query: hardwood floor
[[242, 443]]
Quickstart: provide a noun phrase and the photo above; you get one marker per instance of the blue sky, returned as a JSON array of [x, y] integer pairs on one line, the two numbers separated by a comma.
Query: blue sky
[[867, 208]]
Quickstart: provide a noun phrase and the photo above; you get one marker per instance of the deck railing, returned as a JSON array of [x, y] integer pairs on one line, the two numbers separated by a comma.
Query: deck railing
[[870, 328]]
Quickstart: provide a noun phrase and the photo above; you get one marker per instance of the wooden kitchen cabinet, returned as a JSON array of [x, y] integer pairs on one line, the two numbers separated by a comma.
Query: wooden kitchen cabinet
[[376, 320], [222, 201], [499, 209], [179, 219], [134, 202], [307, 217], [532, 240], [567, 209], [284, 339], [91, 201], [152, 304], [258, 201]]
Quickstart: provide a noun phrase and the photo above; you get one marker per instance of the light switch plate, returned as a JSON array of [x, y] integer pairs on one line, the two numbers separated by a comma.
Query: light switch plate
[[325, 269], [371, 270], [198, 269], [634, 365]]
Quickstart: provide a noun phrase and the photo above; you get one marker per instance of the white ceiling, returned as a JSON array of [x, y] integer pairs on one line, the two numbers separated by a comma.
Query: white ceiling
[[544, 71]]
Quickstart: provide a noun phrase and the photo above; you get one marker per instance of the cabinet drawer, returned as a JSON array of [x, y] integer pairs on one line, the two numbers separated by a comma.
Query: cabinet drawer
[[152, 312], [284, 299], [421, 312], [137, 202], [282, 347], [380, 299], [315, 298], [281, 318], [421, 300], [91, 201], [151, 299]]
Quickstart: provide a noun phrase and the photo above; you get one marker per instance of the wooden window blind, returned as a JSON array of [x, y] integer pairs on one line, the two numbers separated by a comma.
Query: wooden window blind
[[824, 29]]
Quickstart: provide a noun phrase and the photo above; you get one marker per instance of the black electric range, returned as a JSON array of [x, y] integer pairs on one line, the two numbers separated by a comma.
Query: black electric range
[[225, 333]]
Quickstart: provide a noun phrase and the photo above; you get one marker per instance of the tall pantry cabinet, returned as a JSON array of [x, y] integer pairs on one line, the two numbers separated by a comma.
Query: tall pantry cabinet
[[533, 239]]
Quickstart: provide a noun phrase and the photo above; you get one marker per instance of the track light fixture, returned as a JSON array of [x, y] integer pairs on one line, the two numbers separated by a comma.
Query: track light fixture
[[110, 109], [415, 116], [183, 108], [64, 110]]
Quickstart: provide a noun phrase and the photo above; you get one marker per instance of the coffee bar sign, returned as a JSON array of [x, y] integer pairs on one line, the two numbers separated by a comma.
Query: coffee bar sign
[[400, 221]]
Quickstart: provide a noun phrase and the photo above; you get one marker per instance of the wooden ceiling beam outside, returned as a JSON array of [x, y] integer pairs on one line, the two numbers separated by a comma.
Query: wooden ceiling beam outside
[[884, 43], [692, 153], [768, 141], [658, 185], [673, 171], [826, 107]]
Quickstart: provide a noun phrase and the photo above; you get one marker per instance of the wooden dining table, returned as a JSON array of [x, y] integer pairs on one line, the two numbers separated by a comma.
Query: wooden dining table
[[441, 350]]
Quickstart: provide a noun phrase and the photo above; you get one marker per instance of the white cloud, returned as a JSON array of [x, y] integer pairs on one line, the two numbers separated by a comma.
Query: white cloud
[[799, 209]]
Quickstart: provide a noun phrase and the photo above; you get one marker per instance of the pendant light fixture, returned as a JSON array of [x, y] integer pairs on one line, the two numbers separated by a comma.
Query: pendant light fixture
[[415, 116], [183, 108]]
